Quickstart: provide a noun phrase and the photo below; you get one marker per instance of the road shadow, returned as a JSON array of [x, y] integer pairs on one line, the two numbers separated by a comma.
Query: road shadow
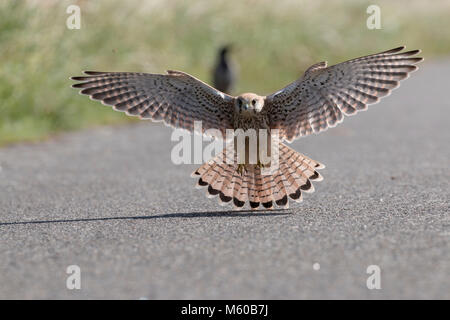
[[210, 214]]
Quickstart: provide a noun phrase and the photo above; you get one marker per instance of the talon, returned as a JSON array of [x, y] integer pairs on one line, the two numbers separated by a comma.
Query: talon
[[260, 165], [241, 168]]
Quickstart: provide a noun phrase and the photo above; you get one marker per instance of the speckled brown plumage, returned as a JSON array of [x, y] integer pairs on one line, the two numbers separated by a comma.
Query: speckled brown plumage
[[316, 101]]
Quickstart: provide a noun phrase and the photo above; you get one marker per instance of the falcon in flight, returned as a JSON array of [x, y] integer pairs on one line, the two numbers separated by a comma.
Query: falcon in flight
[[317, 100]]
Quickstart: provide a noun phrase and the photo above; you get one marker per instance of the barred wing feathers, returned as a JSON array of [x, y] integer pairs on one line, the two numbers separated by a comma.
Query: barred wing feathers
[[321, 97], [176, 98]]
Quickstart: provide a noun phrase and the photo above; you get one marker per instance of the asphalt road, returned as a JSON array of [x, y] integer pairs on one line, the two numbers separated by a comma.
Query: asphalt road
[[110, 201]]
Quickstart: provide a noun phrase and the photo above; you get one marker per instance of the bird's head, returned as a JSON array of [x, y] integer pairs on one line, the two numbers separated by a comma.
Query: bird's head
[[225, 50], [248, 103]]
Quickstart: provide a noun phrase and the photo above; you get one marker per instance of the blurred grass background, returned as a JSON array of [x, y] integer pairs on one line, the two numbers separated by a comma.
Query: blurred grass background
[[274, 44]]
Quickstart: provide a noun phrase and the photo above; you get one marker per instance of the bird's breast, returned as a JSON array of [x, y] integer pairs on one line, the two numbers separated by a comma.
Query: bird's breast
[[252, 121]]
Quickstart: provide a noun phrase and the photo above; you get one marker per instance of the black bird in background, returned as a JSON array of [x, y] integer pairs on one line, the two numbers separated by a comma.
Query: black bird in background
[[223, 75]]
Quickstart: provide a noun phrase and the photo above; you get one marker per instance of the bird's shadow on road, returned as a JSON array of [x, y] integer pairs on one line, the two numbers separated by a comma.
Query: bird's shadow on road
[[210, 214]]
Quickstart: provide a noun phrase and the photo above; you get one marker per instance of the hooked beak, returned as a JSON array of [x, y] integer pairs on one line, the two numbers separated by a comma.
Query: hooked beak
[[246, 110]]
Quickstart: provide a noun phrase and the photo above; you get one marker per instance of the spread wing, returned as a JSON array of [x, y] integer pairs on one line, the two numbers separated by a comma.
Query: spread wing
[[321, 97], [176, 98]]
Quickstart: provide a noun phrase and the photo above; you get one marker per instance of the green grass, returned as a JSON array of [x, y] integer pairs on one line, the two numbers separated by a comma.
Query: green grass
[[274, 44]]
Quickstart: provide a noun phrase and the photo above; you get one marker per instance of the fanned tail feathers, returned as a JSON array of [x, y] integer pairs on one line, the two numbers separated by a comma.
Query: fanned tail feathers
[[292, 177]]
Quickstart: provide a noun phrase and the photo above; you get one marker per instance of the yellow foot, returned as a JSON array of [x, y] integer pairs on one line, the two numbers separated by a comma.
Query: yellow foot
[[260, 165], [241, 168]]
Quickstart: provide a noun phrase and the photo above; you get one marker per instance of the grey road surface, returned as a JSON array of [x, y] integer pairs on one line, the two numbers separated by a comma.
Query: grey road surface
[[110, 201]]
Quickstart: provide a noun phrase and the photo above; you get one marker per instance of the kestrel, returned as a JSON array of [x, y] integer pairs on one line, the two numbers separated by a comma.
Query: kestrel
[[316, 101]]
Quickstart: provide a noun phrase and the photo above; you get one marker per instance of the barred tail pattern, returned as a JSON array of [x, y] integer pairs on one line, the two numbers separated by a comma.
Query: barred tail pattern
[[289, 181]]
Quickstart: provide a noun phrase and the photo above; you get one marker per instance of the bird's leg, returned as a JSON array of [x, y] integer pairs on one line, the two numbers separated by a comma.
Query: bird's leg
[[260, 165], [241, 168]]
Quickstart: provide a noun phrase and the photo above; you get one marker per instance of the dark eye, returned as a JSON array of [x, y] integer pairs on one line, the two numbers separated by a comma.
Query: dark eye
[[239, 102], [254, 102]]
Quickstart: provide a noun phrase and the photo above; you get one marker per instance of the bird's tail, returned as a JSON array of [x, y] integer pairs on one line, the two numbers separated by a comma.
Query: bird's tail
[[290, 179]]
